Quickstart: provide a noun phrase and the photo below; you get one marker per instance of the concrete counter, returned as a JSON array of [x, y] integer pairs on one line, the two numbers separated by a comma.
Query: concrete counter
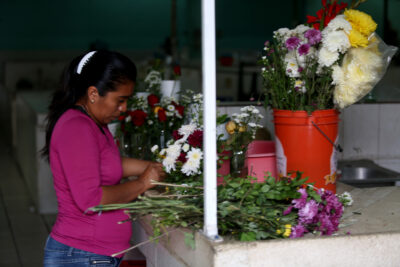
[[369, 235]]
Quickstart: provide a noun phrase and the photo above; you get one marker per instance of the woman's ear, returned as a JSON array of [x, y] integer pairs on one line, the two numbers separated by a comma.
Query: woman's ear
[[93, 94]]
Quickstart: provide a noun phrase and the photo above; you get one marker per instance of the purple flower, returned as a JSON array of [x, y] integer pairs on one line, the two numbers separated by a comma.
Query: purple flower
[[288, 210], [303, 49], [266, 43], [292, 43], [298, 231], [300, 202], [313, 36], [308, 212]]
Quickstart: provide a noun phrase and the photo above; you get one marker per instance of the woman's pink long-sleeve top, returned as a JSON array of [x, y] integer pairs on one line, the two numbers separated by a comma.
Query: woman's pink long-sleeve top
[[84, 157]]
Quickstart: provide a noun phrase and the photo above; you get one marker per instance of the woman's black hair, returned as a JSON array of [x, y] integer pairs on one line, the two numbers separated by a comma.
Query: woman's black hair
[[104, 69]]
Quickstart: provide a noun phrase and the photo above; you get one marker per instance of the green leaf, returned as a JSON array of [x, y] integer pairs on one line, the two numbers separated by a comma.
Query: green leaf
[[189, 240], [248, 236], [265, 188]]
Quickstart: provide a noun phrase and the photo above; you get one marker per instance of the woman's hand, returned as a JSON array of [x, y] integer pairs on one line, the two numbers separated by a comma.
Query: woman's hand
[[155, 172]]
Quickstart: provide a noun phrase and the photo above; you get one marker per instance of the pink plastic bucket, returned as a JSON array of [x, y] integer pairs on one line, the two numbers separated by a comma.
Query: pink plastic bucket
[[260, 159]]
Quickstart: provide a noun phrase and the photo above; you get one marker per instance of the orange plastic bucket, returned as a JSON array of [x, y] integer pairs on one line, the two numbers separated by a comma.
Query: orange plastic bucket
[[307, 143]]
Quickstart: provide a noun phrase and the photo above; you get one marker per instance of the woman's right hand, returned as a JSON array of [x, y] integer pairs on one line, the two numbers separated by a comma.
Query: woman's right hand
[[155, 172]]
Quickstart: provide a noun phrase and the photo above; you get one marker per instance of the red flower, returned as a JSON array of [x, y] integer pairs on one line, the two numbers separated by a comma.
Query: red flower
[[162, 116], [138, 117], [122, 117], [179, 108], [177, 70], [182, 157], [176, 135], [325, 14], [196, 138], [152, 99]]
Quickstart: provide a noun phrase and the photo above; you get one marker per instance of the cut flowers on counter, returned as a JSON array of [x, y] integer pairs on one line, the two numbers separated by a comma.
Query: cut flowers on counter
[[331, 62], [247, 211]]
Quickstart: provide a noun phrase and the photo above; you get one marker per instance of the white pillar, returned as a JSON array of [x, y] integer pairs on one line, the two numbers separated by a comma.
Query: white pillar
[[209, 116]]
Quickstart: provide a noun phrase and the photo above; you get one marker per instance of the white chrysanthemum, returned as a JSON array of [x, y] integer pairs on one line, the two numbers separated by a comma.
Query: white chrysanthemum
[[154, 148], [260, 116], [337, 75], [187, 129], [190, 167], [163, 152], [338, 23], [170, 107], [128, 119], [282, 32], [255, 111], [150, 122], [292, 69], [360, 69], [347, 196], [174, 150], [327, 57], [252, 125], [185, 147], [195, 154], [169, 164], [243, 115], [244, 109], [301, 29], [336, 41]]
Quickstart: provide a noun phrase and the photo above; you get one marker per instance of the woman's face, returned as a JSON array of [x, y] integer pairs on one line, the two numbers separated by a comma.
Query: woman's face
[[109, 107]]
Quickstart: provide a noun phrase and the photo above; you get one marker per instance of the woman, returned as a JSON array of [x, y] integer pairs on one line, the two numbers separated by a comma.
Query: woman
[[86, 164]]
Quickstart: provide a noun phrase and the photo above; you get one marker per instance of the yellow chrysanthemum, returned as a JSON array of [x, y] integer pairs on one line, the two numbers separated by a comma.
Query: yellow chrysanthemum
[[360, 21], [288, 230], [357, 39]]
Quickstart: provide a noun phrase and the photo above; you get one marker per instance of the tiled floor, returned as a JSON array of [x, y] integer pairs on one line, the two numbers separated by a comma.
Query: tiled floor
[[23, 231]]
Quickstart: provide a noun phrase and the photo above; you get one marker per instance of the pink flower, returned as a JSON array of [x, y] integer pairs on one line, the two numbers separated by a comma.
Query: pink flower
[[298, 231], [292, 43], [303, 49], [308, 212], [314, 36], [300, 202]]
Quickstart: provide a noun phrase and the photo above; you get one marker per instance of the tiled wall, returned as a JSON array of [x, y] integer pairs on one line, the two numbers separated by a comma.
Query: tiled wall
[[372, 131]]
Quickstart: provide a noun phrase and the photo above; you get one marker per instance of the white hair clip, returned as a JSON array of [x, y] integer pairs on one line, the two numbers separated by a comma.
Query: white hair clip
[[83, 61]]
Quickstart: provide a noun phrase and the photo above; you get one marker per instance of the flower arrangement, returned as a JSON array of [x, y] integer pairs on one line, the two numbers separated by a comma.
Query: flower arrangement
[[182, 159], [332, 62], [242, 128], [152, 118]]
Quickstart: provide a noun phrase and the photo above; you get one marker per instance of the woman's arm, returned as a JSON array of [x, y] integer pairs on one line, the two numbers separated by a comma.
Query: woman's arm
[[128, 191], [133, 167]]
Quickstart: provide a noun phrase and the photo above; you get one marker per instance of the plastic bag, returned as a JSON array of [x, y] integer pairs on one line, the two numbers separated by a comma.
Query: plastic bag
[[362, 68]]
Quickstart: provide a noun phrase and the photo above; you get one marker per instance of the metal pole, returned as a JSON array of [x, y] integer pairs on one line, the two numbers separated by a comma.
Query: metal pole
[[209, 115]]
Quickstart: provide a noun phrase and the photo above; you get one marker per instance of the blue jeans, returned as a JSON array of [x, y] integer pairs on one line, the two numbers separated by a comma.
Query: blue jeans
[[57, 254]]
